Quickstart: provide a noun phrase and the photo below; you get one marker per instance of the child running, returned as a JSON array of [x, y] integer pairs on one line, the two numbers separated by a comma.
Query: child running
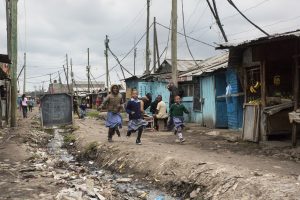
[[135, 109], [176, 112], [113, 102]]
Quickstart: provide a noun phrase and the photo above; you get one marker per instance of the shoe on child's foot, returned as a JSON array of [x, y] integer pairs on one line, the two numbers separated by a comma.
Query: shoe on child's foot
[[110, 140], [175, 132], [118, 133], [182, 140], [138, 142]]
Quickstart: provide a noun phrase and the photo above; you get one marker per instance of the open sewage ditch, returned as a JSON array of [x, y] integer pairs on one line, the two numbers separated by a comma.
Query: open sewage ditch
[[84, 179]]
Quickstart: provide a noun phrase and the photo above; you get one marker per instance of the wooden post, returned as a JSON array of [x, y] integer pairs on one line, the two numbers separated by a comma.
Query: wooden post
[[296, 99], [174, 43], [147, 39], [106, 59], [245, 84], [13, 53], [24, 86], [154, 45], [263, 83]]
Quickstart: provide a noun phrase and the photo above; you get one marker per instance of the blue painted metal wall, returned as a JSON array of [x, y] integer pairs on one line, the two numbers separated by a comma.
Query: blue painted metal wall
[[221, 107], [194, 116], [209, 105], [235, 102]]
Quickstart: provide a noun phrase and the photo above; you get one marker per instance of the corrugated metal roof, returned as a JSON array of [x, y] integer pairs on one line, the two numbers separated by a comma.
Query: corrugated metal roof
[[291, 34], [209, 65], [184, 65]]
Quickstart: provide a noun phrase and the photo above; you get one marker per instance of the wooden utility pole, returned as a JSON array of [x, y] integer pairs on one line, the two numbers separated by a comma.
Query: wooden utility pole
[[67, 66], [24, 86], [296, 98], [174, 43], [147, 40], [72, 75], [12, 10], [134, 59], [88, 69], [154, 45], [106, 58]]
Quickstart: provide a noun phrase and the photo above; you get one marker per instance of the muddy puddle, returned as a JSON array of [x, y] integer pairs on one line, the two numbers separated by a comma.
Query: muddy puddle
[[86, 180]]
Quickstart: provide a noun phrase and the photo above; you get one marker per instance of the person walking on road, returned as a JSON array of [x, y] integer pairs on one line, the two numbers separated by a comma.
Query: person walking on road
[[75, 107], [30, 105], [83, 108], [24, 105], [135, 109], [176, 113], [114, 104]]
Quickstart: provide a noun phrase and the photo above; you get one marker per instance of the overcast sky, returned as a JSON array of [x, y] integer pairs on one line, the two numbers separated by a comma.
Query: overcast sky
[[50, 29]]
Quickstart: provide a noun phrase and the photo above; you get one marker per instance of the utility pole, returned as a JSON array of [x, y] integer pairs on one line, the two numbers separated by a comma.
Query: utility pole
[[134, 59], [174, 43], [72, 75], [88, 69], [106, 57], [147, 40], [24, 85], [67, 73], [12, 14], [154, 45]]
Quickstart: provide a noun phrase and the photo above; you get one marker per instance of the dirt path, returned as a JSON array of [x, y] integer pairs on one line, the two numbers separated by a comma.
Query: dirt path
[[232, 167]]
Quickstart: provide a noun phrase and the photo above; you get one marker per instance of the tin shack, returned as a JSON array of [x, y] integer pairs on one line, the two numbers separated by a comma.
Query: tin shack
[[267, 68]]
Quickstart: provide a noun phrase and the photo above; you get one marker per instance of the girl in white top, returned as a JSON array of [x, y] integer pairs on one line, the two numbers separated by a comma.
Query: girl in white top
[[24, 105]]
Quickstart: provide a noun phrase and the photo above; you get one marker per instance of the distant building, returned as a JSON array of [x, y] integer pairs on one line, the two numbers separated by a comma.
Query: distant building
[[81, 87], [57, 87]]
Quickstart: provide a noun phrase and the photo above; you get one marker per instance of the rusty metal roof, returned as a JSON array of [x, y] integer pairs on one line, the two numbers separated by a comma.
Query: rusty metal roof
[[260, 40], [184, 65], [209, 65]]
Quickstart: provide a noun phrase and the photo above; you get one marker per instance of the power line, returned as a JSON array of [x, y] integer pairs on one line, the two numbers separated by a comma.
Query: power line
[[43, 75], [226, 17], [133, 22], [205, 43], [184, 31], [236, 8], [132, 49]]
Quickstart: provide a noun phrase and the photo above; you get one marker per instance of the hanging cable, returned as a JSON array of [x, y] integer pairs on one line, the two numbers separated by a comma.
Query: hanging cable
[[184, 31], [131, 50], [236, 8], [202, 42]]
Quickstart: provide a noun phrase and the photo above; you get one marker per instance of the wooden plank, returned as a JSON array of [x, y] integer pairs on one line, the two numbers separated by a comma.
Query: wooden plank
[[245, 85], [296, 100], [263, 83]]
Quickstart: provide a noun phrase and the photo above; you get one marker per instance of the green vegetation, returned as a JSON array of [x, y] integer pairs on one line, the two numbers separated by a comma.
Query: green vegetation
[[93, 113], [70, 138]]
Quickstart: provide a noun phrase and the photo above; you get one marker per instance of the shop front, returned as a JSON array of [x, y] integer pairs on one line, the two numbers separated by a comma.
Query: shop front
[[267, 68]]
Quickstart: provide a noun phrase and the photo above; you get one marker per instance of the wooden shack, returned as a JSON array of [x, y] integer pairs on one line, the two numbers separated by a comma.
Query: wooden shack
[[268, 71]]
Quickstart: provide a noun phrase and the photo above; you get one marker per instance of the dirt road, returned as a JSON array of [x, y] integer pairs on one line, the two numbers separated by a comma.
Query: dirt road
[[208, 166]]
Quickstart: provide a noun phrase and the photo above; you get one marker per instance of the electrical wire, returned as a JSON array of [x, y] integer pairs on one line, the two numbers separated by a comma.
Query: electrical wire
[[184, 31], [236, 8], [197, 40], [132, 49]]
